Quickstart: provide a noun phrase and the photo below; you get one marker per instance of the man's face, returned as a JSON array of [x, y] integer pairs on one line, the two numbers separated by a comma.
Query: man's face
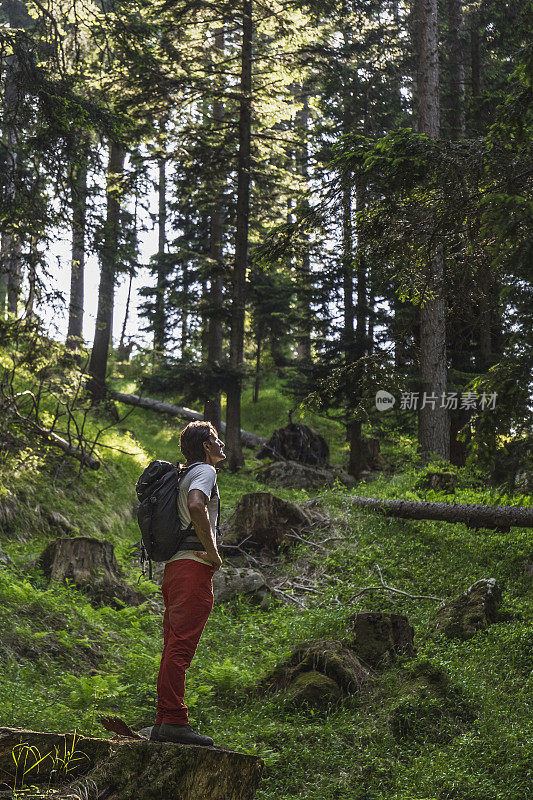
[[214, 448]]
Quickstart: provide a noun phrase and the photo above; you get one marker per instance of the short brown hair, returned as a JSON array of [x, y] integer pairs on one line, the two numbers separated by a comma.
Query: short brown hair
[[193, 437]]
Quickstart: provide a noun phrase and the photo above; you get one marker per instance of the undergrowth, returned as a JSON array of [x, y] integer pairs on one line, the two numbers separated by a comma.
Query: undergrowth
[[452, 724]]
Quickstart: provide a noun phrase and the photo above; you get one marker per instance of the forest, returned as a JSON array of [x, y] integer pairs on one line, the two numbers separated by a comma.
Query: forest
[[308, 222]]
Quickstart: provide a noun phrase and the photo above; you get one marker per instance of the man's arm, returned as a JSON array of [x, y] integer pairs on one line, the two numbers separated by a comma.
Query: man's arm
[[196, 503]]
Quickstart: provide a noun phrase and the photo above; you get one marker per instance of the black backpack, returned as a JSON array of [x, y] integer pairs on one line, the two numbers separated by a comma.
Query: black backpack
[[161, 530]]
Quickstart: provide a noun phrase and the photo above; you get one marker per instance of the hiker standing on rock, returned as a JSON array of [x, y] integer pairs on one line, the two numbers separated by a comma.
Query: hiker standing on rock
[[187, 581]]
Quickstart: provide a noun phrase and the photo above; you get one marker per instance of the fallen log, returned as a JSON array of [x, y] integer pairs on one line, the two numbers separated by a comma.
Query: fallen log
[[248, 439], [474, 516]]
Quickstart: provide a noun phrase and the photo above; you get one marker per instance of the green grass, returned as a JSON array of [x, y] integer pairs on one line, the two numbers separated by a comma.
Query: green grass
[[65, 662]]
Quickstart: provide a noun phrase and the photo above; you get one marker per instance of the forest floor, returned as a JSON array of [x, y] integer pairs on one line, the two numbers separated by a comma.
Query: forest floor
[[65, 662]]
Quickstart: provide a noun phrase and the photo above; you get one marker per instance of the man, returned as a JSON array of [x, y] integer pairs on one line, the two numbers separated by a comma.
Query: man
[[187, 581]]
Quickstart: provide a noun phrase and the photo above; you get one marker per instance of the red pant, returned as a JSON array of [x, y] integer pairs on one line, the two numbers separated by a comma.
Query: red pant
[[188, 594]]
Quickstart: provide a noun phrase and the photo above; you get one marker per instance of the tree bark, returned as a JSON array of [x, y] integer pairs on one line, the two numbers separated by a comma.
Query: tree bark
[[10, 252], [249, 439], [212, 409], [233, 412], [108, 264], [77, 268], [159, 310], [475, 516], [123, 349], [433, 423], [257, 379], [456, 109], [306, 317]]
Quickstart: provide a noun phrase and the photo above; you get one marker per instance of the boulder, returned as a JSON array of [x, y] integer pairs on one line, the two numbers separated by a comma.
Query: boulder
[[378, 637], [261, 520], [89, 564], [231, 581], [125, 768], [472, 611], [296, 442], [292, 475], [313, 688], [335, 660]]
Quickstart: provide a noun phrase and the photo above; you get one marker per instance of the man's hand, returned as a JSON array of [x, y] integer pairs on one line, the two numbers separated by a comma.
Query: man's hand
[[213, 558]]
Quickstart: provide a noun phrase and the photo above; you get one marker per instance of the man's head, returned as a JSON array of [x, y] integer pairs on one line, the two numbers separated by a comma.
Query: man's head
[[199, 442]]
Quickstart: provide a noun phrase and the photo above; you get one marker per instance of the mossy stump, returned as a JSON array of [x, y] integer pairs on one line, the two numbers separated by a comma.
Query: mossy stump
[[132, 769], [89, 564], [472, 611], [300, 675], [378, 637]]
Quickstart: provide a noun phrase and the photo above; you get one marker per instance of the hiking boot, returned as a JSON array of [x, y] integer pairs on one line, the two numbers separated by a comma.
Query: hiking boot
[[154, 733], [183, 734]]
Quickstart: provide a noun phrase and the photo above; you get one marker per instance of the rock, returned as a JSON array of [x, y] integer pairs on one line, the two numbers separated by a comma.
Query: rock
[[266, 521], [333, 659], [231, 581], [133, 769], [292, 475], [313, 688], [296, 442], [91, 565], [473, 611], [378, 636]]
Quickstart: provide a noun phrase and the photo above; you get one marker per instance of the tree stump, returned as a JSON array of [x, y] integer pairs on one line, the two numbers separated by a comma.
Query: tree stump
[[335, 660], [126, 768], [296, 442], [378, 637], [292, 475], [89, 564], [371, 455], [266, 521], [473, 611]]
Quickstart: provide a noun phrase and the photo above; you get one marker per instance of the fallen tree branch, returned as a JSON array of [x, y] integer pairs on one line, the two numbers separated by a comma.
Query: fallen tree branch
[[54, 439], [383, 586], [474, 516], [248, 439]]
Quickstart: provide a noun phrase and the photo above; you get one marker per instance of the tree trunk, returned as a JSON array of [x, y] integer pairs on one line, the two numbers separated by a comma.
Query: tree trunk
[[433, 422], [184, 315], [233, 412], [456, 109], [212, 409], [77, 268], [159, 310], [10, 255], [123, 349], [475, 516], [475, 69], [259, 339], [306, 317], [106, 289]]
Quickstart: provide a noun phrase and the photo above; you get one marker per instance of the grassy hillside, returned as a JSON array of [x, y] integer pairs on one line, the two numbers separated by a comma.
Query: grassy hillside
[[454, 722]]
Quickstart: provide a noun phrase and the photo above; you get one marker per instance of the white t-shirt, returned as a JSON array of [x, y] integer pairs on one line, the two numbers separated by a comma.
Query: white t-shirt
[[200, 476]]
